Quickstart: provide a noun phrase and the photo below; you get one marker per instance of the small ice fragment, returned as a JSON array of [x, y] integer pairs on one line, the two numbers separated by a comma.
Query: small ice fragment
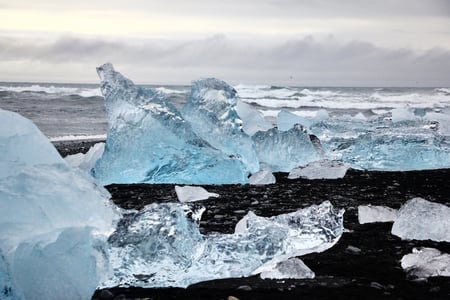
[[252, 120], [86, 162], [293, 268], [426, 262], [419, 219], [286, 120], [321, 115], [261, 177], [193, 193], [322, 169], [402, 114], [373, 214]]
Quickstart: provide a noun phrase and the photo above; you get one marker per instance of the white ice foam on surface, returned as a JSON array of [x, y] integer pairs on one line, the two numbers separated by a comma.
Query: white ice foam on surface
[[292, 268], [426, 262], [419, 219], [193, 193], [373, 214]]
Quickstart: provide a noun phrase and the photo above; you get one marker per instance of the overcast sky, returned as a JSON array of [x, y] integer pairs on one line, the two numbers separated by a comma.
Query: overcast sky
[[294, 42]]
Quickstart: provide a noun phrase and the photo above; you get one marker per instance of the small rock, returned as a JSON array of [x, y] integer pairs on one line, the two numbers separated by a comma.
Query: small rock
[[353, 249], [105, 294], [376, 285], [232, 298], [246, 288]]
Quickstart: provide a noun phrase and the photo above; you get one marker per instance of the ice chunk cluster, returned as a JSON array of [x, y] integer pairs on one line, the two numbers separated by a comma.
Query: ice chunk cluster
[[420, 219], [426, 262], [149, 140], [161, 245], [212, 140], [54, 221]]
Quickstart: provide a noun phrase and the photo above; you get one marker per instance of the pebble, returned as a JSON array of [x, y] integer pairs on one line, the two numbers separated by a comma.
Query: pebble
[[246, 288]]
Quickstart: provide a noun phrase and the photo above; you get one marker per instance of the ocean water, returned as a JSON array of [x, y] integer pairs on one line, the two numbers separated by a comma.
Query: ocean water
[[76, 111]]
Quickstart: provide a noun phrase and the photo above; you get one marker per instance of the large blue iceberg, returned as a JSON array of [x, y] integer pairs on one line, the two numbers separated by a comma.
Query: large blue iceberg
[[150, 141], [54, 221], [161, 245]]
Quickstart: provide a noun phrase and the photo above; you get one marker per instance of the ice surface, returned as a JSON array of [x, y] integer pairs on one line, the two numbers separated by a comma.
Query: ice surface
[[149, 141], [54, 221], [149, 250], [293, 268], [193, 193], [286, 120], [261, 177], [252, 120], [86, 162], [211, 110], [426, 262], [284, 150], [372, 214], [322, 169], [420, 219]]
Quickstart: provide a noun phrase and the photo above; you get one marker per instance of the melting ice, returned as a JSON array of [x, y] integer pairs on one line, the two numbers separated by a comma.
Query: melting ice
[[161, 245]]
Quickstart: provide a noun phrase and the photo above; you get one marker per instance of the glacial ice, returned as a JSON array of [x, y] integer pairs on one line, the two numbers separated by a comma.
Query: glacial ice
[[292, 268], [211, 111], [281, 151], [85, 162], [373, 213], [149, 141], [264, 176], [426, 262], [322, 169], [420, 219], [54, 221], [193, 193], [161, 245], [286, 120], [252, 120]]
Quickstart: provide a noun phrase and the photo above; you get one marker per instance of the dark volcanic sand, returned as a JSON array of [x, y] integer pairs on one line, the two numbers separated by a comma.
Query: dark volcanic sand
[[342, 272]]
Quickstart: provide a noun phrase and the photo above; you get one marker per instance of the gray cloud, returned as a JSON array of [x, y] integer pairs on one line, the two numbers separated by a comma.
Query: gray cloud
[[304, 61]]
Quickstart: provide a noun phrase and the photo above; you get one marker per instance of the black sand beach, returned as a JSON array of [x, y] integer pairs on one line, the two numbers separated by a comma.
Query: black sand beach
[[365, 263]]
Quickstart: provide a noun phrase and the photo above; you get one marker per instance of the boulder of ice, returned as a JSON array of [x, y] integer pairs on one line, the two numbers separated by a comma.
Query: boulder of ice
[[373, 213], [264, 176], [161, 245], [149, 141], [85, 162], [419, 219], [284, 150], [252, 120], [402, 114], [211, 110], [293, 268], [390, 151], [322, 169], [426, 262], [286, 120], [193, 193], [54, 221]]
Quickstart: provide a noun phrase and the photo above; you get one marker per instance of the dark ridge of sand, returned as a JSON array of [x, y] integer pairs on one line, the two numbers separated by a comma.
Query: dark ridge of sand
[[364, 264]]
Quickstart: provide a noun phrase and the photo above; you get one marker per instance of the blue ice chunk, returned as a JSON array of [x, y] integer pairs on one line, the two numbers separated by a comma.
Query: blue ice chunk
[[286, 120], [161, 246], [53, 223], [211, 110], [281, 151], [149, 140]]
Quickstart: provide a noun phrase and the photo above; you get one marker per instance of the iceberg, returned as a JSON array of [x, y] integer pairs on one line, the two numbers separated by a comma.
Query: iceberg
[[149, 141], [211, 111], [426, 262], [373, 214], [322, 169], [193, 193], [262, 177], [281, 151], [293, 268], [54, 222], [161, 245], [286, 120], [419, 219]]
